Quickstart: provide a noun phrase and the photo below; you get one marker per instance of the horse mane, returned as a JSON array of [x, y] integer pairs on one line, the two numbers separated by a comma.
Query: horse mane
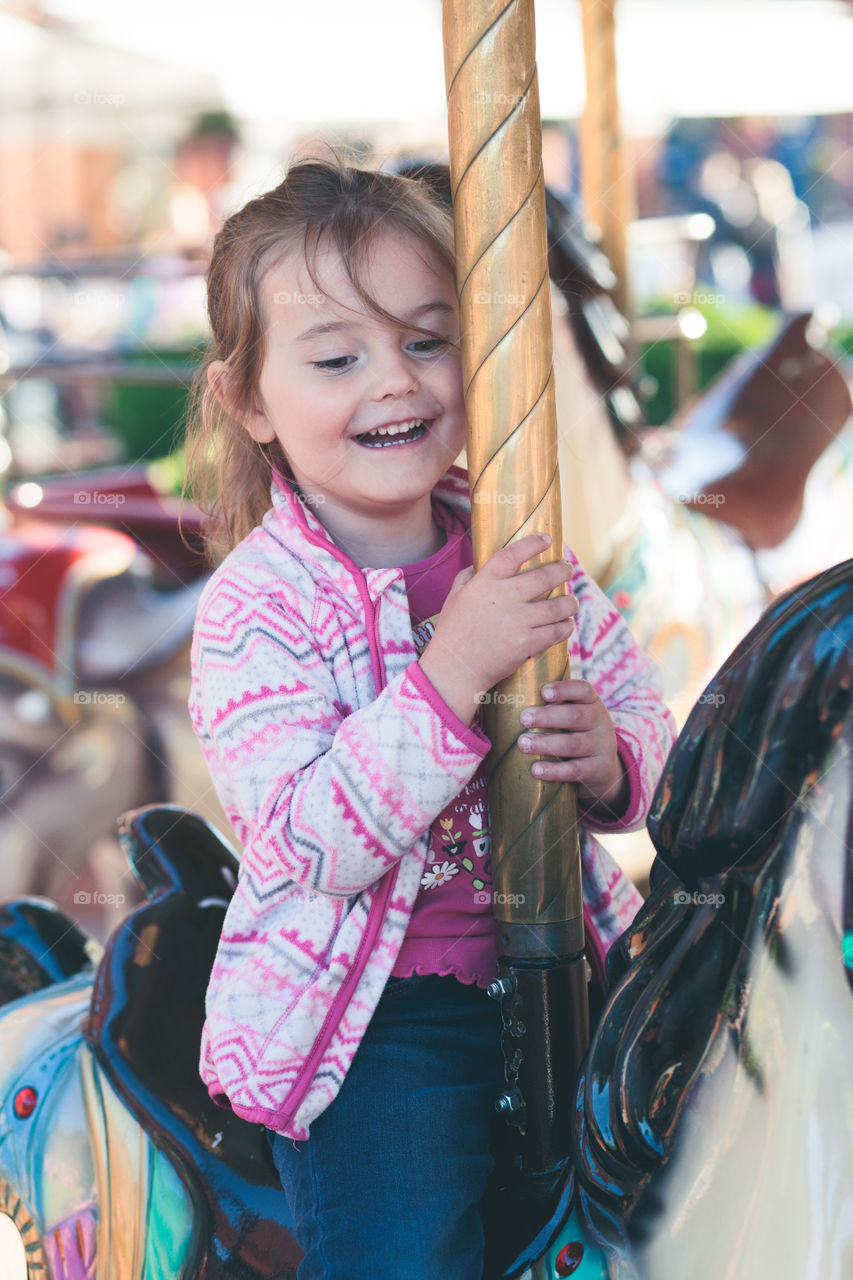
[[743, 784], [758, 737]]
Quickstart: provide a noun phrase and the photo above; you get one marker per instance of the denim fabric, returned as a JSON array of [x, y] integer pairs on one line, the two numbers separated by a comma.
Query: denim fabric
[[389, 1184]]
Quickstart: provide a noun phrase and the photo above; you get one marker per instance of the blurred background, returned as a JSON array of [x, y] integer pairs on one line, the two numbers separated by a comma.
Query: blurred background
[[127, 132]]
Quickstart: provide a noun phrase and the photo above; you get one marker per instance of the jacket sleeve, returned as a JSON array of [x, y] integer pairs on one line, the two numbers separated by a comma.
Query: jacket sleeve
[[629, 684], [327, 799]]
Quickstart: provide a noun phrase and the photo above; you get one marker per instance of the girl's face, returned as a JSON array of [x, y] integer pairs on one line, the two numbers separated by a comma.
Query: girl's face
[[369, 414]]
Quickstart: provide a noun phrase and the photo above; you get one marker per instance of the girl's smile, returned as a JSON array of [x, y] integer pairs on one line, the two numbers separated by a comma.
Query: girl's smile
[[369, 411], [396, 433]]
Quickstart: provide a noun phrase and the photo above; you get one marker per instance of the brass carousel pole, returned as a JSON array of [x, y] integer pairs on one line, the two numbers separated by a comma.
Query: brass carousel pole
[[502, 273], [606, 181]]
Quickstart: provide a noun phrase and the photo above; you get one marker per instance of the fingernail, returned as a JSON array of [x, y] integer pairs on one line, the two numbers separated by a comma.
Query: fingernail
[[527, 717], [537, 770], [525, 742], [549, 692], [546, 538]]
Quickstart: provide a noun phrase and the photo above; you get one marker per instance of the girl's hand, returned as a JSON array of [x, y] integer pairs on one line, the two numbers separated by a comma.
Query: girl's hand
[[494, 620], [578, 745]]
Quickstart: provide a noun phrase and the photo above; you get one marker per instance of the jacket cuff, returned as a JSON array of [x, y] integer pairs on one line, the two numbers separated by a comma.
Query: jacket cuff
[[471, 736]]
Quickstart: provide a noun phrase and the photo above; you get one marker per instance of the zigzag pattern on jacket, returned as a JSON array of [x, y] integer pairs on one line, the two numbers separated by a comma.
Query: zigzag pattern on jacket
[[332, 755]]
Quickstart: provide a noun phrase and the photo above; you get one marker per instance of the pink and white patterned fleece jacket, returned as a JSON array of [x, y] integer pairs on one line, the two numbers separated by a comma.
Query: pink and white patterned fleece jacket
[[332, 755]]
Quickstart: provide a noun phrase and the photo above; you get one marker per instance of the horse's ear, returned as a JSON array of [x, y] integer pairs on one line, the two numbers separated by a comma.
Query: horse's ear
[[764, 422]]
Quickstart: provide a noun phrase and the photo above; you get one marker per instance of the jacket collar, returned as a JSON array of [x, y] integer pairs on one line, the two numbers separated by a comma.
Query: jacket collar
[[292, 521]]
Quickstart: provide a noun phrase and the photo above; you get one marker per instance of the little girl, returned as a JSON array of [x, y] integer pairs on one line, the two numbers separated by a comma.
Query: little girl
[[341, 651]]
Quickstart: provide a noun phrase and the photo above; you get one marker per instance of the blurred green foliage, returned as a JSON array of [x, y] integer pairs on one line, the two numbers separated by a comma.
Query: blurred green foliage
[[729, 330], [149, 421]]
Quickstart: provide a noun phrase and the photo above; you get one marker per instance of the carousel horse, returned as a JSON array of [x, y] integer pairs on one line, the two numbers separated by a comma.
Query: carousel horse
[[712, 1135], [114, 1162], [693, 529]]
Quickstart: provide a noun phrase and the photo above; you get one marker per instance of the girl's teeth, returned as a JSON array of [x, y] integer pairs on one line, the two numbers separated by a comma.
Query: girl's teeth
[[394, 430], [402, 428]]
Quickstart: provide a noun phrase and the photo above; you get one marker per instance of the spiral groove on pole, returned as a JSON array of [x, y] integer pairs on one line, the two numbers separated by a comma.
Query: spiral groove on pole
[[502, 274]]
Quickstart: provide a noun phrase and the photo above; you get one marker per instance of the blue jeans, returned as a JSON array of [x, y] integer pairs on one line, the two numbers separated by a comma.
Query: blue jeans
[[389, 1184]]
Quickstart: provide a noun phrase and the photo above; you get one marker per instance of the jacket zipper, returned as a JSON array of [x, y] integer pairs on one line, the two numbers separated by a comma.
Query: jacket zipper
[[378, 909]]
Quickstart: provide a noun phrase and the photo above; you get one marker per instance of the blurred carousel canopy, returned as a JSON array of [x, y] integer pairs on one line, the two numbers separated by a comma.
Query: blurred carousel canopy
[[379, 62]]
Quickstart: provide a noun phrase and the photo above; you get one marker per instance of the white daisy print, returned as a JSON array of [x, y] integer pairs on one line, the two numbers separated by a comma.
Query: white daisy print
[[439, 875]]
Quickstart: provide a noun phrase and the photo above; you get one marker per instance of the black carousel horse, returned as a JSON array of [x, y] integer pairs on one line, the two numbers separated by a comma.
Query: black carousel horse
[[717, 1076], [130, 1020]]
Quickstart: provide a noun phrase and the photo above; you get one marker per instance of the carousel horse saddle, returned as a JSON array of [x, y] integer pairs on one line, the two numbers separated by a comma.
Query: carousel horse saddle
[[81, 602], [39, 946], [743, 453], [169, 531], [144, 1027]]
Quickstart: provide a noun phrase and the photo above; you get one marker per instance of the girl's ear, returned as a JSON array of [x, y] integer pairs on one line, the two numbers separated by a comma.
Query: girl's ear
[[254, 422]]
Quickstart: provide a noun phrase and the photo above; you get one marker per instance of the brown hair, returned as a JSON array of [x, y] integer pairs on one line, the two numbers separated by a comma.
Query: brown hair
[[320, 203]]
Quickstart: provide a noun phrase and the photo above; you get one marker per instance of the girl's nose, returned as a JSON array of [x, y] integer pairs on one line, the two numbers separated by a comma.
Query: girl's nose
[[394, 375]]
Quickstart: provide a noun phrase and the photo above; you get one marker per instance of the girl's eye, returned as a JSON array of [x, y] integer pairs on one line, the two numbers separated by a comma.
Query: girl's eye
[[426, 345], [335, 365]]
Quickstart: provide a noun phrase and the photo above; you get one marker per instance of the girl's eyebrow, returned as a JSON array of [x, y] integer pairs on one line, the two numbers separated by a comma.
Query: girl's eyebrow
[[335, 326]]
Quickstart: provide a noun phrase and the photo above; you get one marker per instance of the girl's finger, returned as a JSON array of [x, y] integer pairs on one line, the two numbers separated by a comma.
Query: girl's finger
[[561, 746], [565, 717], [569, 691], [507, 562], [556, 770]]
